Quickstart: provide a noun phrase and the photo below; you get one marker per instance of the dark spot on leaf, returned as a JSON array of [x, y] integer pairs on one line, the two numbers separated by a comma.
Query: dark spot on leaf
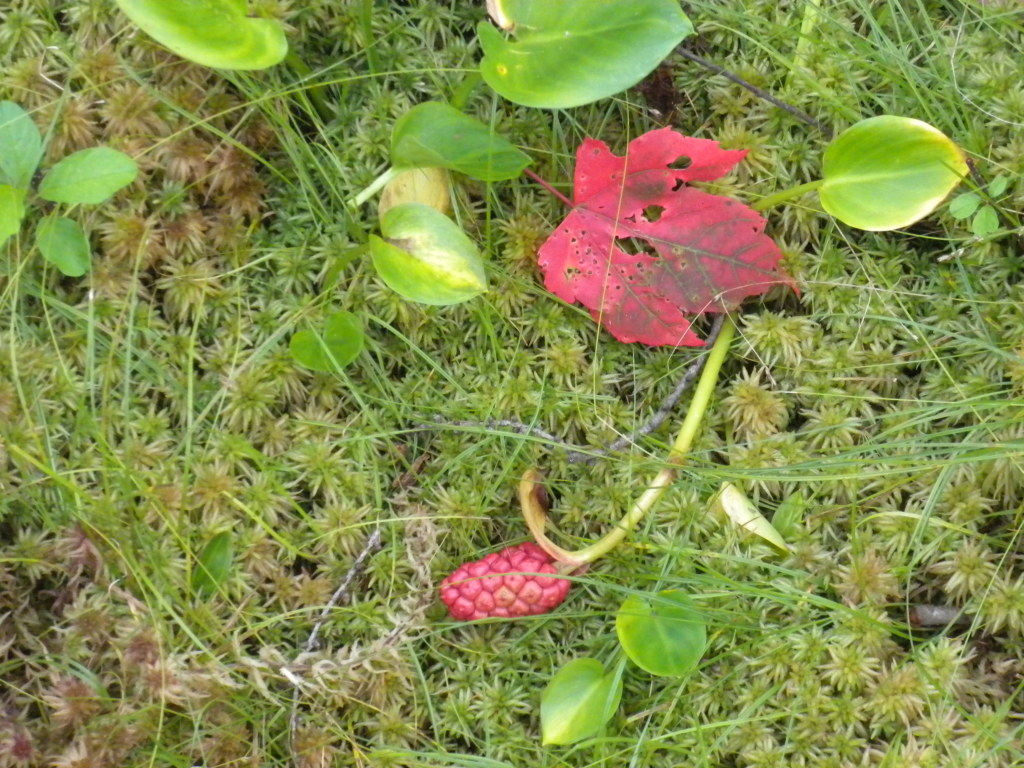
[[678, 185]]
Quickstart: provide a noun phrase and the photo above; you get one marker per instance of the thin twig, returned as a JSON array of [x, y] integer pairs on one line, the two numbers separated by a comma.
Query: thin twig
[[579, 454], [549, 188], [341, 593], [516, 426], [760, 93], [663, 412]]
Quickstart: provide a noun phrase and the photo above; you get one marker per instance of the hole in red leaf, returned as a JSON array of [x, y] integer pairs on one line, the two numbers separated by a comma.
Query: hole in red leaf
[[681, 163], [653, 212], [635, 245], [678, 185]]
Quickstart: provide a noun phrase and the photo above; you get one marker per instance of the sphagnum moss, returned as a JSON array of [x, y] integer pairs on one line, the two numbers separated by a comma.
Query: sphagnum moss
[[891, 366]]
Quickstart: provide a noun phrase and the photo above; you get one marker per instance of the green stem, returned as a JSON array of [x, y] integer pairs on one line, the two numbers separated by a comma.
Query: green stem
[[375, 186], [786, 194], [462, 92], [366, 14], [317, 93], [680, 447]]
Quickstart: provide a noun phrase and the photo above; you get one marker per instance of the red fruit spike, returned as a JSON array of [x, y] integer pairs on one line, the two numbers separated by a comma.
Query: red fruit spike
[[504, 584]]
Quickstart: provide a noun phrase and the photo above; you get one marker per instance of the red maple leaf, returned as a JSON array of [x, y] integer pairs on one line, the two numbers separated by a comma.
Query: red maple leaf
[[645, 252]]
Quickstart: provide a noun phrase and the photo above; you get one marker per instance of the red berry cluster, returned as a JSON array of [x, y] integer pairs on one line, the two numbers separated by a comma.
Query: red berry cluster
[[504, 584]]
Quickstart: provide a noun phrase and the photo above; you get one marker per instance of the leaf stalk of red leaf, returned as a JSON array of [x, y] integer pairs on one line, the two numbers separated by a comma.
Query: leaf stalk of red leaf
[[548, 187], [535, 512]]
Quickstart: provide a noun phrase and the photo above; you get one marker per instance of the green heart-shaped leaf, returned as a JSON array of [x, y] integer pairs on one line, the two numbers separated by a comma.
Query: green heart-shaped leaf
[[89, 176], [573, 52], [888, 172], [12, 211], [578, 701], [425, 257], [435, 135], [213, 566], [21, 146], [340, 343], [214, 33], [663, 634], [63, 243]]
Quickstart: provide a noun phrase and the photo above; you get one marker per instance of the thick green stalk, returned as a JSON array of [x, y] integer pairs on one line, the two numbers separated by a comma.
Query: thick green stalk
[[535, 508], [786, 194], [375, 186]]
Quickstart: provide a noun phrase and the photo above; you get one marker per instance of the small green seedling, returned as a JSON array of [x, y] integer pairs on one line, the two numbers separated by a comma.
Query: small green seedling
[[214, 33], [981, 210], [337, 345], [88, 177], [213, 565], [574, 52], [421, 253]]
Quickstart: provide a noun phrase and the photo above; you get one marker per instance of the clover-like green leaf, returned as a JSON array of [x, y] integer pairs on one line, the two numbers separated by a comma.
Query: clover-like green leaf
[[12, 211], [986, 222], [663, 633], [214, 33], [998, 186], [213, 566], [963, 206], [425, 257], [887, 172], [435, 135], [578, 701], [88, 176], [63, 243], [21, 146], [340, 343], [573, 52]]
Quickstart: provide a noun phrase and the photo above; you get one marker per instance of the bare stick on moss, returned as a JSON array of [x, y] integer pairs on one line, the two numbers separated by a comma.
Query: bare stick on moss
[[759, 92], [579, 454], [341, 593]]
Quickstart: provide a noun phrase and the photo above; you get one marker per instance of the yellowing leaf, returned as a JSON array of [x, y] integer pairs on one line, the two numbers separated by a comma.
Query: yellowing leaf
[[738, 508]]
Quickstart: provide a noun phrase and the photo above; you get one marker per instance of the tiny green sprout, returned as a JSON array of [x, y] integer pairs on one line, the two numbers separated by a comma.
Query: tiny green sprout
[[735, 505], [422, 254], [981, 210], [329, 350], [87, 177]]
